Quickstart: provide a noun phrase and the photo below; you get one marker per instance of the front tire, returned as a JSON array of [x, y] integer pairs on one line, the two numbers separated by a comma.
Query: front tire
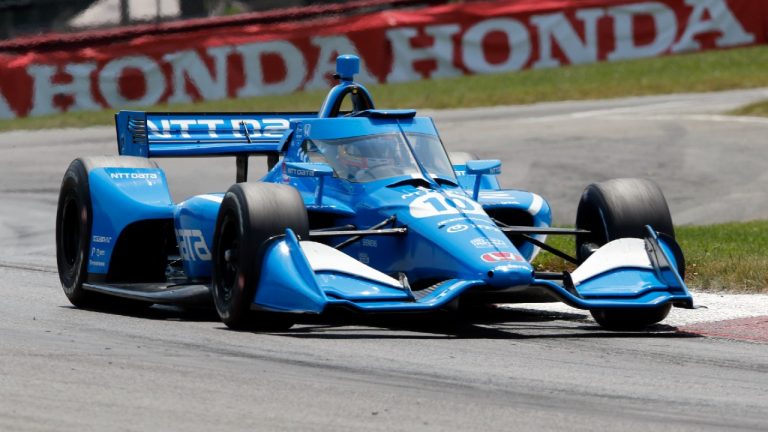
[[250, 215], [631, 319], [620, 208], [616, 209]]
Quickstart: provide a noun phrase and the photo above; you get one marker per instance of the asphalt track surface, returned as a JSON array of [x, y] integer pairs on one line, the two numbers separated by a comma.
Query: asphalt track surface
[[514, 368]]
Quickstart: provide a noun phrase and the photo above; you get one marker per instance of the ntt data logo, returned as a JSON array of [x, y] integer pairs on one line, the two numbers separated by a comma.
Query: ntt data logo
[[133, 176]]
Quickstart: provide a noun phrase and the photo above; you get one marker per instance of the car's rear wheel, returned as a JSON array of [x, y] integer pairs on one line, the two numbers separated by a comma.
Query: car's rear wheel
[[73, 233], [250, 215], [74, 221], [616, 209]]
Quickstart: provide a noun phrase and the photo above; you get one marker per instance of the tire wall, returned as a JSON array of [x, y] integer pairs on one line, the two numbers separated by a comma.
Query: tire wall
[[254, 59]]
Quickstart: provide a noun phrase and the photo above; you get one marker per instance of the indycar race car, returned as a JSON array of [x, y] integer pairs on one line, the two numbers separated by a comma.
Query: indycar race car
[[359, 209]]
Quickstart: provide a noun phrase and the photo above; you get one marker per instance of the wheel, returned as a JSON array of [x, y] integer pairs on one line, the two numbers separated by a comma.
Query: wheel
[[74, 220], [616, 209], [630, 319], [73, 233], [620, 208], [251, 214]]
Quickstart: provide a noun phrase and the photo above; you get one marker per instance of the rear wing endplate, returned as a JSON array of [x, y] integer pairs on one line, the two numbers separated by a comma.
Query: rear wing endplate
[[202, 134]]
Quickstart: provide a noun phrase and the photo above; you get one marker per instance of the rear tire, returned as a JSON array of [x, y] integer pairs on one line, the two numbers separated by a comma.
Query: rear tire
[[74, 221], [73, 233], [251, 214], [616, 209]]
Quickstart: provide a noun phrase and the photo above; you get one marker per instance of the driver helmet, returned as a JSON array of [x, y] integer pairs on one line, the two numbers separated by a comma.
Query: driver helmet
[[368, 153]]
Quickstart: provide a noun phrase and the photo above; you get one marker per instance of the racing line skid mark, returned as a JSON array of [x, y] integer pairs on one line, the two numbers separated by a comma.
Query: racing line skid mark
[[27, 267], [753, 329]]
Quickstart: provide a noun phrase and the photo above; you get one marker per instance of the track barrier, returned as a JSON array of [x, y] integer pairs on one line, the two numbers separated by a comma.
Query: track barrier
[[263, 54]]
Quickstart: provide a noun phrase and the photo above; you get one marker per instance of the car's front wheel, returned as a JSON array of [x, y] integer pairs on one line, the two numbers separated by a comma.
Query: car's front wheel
[[616, 209], [250, 215]]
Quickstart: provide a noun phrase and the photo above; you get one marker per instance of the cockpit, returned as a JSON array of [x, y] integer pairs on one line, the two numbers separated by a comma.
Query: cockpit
[[369, 158]]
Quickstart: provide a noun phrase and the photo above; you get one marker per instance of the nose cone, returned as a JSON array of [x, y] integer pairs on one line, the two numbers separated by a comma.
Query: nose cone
[[509, 274]]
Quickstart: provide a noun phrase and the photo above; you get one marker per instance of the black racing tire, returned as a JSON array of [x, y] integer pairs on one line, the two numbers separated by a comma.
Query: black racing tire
[[74, 221], [621, 208], [250, 215], [631, 319]]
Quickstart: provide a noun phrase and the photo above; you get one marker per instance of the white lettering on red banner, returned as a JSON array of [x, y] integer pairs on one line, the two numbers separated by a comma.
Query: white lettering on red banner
[[436, 42]]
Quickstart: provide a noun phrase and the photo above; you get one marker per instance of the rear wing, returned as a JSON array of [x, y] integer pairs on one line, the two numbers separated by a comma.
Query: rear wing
[[202, 134]]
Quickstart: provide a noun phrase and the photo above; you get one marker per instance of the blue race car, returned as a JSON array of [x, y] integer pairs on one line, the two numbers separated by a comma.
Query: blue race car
[[360, 209]]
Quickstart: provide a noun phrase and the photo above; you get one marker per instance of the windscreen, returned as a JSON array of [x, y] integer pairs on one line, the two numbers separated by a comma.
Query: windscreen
[[374, 157]]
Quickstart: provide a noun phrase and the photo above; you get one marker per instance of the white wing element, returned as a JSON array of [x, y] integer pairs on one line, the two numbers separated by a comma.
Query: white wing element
[[624, 252], [322, 257]]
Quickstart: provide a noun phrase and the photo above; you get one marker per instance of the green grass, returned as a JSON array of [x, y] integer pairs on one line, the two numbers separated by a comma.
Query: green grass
[[729, 257], [755, 109], [708, 71]]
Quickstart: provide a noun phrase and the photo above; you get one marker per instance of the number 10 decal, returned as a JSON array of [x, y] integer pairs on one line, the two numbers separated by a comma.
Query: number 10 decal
[[436, 204]]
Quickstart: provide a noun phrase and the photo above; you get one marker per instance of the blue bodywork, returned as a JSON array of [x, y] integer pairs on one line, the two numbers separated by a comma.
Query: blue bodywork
[[453, 244]]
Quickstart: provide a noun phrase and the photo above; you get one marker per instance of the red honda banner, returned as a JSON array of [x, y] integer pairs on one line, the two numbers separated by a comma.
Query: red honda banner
[[395, 46]]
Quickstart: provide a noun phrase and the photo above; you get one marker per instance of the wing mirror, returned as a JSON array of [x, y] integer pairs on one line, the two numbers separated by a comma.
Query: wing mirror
[[311, 169], [479, 168]]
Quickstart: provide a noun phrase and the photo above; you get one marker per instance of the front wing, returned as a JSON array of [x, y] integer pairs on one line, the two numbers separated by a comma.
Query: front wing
[[306, 277]]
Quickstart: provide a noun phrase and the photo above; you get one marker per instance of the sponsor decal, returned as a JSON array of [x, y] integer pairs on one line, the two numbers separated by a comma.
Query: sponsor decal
[[451, 40], [457, 228], [452, 220], [298, 172], [483, 243], [498, 195], [192, 245], [173, 128], [372, 243], [493, 257], [363, 258], [101, 239], [134, 176], [96, 252], [479, 223], [492, 228]]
